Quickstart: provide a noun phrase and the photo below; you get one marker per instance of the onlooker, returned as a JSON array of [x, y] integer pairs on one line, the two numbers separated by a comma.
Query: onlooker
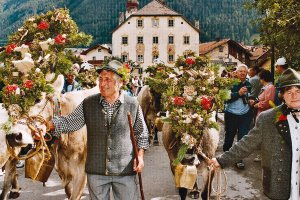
[[140, 85], [70, 83], [276, 132], [237, 111], [110, 160], [255, 90], [267, 93], [254, 81], [281, 65]]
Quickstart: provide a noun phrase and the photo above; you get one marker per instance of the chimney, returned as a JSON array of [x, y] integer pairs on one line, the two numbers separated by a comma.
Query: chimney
[[131, 7], [121, 17], [197, 24]]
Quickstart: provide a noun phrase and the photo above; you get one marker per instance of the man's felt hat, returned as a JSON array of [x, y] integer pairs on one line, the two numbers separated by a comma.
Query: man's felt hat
[[113, 66], [289, 77]]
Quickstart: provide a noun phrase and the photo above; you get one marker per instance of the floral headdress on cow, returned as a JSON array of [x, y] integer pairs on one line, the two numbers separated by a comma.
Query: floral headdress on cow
[[191, 91], [35, 50]]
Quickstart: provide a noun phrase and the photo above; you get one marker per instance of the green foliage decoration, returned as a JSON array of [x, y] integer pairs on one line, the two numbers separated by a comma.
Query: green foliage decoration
[[191, 91], [35, 50]]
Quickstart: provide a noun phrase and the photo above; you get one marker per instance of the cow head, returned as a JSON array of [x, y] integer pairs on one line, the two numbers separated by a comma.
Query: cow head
[[29, 127]]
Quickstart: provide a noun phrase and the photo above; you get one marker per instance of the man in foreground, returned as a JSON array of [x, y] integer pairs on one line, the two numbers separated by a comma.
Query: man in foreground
[[276, 132], [110, 158]]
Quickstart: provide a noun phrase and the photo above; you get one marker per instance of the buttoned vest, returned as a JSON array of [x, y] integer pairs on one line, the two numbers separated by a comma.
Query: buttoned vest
[[109, 147]]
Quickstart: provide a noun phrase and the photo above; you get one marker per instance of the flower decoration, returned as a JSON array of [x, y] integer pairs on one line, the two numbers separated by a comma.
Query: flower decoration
[[43, 25], [178, 101], [28, 84], [190, 60], [10, 48], [60, 39], [189, 96], [206, 102], [282, 117], [26, 59], [10, 88]]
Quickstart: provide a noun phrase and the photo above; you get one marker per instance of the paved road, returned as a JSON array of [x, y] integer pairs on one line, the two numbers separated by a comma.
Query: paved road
[[158, 181]]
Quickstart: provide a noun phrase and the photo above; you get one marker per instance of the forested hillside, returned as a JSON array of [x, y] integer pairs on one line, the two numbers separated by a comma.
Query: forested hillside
[[218, 18]]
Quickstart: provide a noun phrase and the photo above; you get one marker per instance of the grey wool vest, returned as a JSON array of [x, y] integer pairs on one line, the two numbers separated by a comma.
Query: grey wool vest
[[109, 147]]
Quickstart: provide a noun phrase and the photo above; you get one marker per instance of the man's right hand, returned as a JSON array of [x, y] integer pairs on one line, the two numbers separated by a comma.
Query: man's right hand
[[214, 163], [243, 91]]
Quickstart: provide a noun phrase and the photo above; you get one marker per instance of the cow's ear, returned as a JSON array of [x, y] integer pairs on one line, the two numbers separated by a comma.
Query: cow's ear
[[58, 84]]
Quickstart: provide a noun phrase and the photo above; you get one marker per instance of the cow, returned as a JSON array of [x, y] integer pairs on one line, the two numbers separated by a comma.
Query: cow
[[150, 104], [8, 162], [70, 150], [208, 147]]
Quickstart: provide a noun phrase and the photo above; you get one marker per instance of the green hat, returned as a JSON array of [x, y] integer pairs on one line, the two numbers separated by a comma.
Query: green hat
[[113, 66], [289, 77]]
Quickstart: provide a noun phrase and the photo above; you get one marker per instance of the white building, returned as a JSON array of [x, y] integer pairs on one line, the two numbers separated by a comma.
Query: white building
[[154, 31], [97, 54]]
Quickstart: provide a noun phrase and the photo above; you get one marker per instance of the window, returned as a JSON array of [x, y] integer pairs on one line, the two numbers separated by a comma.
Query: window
[[154, 57], [124, 40], [171, 22], [140, 23], [99, 50], [171, 39], [171, 58], [124, 58], [221, 48], [140, 40], [94, 57], [155, 22], [140, 58], [186, 39], [155, 40]]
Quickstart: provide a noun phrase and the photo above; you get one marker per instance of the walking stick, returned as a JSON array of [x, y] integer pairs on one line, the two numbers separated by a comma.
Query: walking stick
[[136, 154]]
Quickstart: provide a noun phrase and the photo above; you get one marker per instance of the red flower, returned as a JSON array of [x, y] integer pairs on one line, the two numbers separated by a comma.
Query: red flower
[[28, 84], [10, 48], [43, 25], [60, 39], [179, 101], [282, 117], [190, 61], [10, 88], [205, 103], [127, 66]]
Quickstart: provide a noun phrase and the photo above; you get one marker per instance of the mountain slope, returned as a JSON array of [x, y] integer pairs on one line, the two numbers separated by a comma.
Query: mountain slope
[[218, 18]]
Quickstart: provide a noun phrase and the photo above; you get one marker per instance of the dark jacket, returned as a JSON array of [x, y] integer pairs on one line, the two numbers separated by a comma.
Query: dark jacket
[[275, 143]]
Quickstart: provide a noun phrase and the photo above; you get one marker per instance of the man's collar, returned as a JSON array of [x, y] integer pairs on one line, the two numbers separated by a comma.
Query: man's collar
[[121, 98]]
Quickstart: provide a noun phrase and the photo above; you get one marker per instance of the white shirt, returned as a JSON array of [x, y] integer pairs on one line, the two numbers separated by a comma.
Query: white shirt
[[295, 173]]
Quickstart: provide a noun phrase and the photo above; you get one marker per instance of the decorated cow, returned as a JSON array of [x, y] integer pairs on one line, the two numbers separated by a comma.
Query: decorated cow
[[191, 92], [33, 60]]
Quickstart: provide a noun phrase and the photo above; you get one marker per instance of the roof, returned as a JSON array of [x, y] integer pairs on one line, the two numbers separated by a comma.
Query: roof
[[102, 46], [257, 52], [207, 47], [155, 8]]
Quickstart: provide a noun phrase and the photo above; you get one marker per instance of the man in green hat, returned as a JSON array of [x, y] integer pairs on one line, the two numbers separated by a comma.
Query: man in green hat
[[276, 132], [110, 160]]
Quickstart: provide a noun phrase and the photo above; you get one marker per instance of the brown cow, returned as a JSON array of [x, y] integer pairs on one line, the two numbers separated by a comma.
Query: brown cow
[[70, 151], [209, 146]]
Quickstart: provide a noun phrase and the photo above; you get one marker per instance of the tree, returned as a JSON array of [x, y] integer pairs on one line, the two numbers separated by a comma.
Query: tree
[[279, 25]]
